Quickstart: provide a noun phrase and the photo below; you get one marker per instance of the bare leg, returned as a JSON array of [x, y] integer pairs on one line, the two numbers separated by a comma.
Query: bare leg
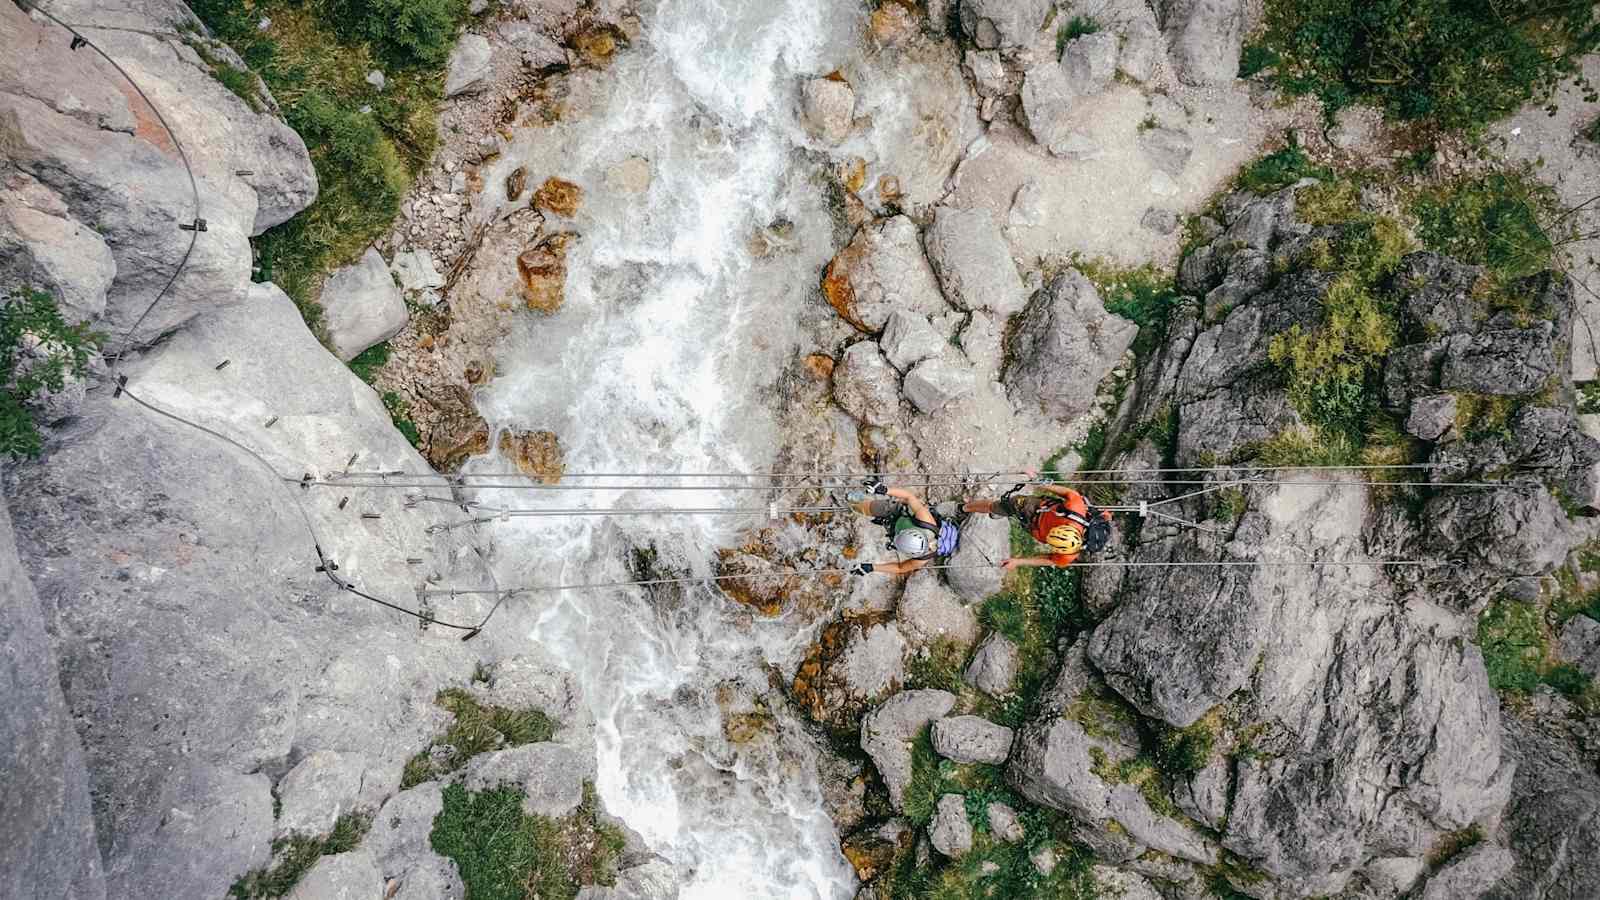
[[978, 506]]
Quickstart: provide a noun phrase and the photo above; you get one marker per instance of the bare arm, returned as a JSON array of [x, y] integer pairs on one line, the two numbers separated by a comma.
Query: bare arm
[[904, 567], [919, 510], [1027, 561]]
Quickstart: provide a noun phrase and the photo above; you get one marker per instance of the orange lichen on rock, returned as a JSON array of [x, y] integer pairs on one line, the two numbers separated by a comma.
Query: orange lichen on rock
[[892, 24], [872, 851], [853, 174], [543, 269], [819, 366], [536, 453], [820, 691], [458, 431], [836, 284], [598, 44], [558, 196]]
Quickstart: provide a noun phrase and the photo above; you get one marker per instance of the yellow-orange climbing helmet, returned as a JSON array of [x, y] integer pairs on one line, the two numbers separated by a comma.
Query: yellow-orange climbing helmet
[[1065, 539]]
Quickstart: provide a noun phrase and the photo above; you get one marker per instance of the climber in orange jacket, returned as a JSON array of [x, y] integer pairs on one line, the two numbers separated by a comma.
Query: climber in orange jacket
[[1064, 521]]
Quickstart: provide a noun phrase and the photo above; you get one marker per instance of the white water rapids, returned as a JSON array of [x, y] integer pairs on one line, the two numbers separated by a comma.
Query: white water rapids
[[661, 360]]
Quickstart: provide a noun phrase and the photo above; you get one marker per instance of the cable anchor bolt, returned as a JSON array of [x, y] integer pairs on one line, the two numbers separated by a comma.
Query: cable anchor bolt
[[77, 41], [122, 382], [197, 225], [1144, 508]]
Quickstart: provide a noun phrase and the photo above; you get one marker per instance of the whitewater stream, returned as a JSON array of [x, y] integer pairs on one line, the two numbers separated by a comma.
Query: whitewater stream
[[662, 359]]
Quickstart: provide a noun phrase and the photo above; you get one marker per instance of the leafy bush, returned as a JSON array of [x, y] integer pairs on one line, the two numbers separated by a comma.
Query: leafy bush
[[406, 32], [293, 857], [1255, 59], [503, 854], [31, 318], [1457, 63], [476, 729], [1496, 220], [1279, 169]]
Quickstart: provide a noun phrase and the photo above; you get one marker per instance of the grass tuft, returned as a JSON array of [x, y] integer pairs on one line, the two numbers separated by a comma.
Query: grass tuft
[[1279, 169], [293, 857], [1496, 220], [477, 728], [503, 854]]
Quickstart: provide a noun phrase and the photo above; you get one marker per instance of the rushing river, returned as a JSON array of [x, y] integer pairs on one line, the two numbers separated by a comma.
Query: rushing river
[[675, 327]]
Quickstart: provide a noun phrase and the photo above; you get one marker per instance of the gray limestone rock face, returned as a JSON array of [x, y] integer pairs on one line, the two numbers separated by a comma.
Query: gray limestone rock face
[[1504, 362], [539, 50], [887, 732], [1393, 876], [973, 261], [985, 543], [401, 845], [530, 681], [988, 73], [341, 876], [1141, 47], [50, 848], [874, 661], [883, 270], [362, 306], [653, 880], [935, 383], [827, 109], [113, 169], [1067, 343], [1049, 101], [1431, 416], [950, 831], [550, 775], [993, 669], [44, 247], [971, 739], [909, 339], [1123, 884], [1004, 823], [315, 793], [1204, 38], [1471, 874], [1090, 60], [1168, 148], [1002, 24], [866, 385], [1552, 823], [468, 70], [929, 611], [1515, 532], [1580, 644]]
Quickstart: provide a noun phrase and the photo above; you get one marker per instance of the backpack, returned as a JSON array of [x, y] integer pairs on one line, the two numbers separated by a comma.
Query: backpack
[[947, 536]]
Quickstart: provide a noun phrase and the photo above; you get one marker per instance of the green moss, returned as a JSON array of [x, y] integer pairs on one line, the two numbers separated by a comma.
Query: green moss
[[369, 361], [1229, 504], [1279, 169], [1496, 220], [239, 81], [1453, 845], [1483, 415], [400, 415], [1183, 751], [293, 857], [1007, 614], [921, 796], [1074, 28], [1255, 59], [1451, 63], [939, 667], [503, 854], [1101, 714], [31, 314], [477, 728], [1330, 202]]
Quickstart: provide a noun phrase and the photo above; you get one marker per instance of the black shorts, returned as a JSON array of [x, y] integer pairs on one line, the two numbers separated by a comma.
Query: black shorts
[[1024, 509]]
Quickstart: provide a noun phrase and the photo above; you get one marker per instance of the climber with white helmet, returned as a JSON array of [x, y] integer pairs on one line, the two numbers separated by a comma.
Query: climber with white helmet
[[916, 532], [1064, 521]]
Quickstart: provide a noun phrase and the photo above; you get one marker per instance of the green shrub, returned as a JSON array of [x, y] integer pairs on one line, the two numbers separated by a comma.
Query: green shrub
[[1456, 63], [1279, 169], [33, 315], [1255, 59], [1182, 751], [503, 854], [476, 729], [406, 32], [1515, 648], [1075, 28], [293, 857], [1495, 220], [369, 361]]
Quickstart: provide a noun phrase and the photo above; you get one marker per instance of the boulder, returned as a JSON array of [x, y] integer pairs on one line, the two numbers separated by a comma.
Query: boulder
[[887, 733], [1503, 362], [362, 306], [530, 681], [993, 669], [655, 879], [1067, 343], [1002, 24], [1168, 149], [550, 775], [1141, 47], [538, 49], [468, 70], [827, 109], [973, 261], [929, 611], [1090, 60], [416, 271], [44, 247], [1431, 416], [909, 339], [1552, 823], [856, 662], [951, 832], [936, 383], [988, 72], [1471, 874], [1004, 823], [866, 386], [49, 850], [880, 271], [1049, 101], [874, 661], [1516, 532], [315, 793], [340, 876], [1204, 39], [1158, 220], [1027, 205], [400, 841], [971, 739], [974, 570], [1580, 644]]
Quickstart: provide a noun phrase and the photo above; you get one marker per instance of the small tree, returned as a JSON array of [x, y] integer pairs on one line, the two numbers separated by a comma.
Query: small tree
[[38, 350]]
